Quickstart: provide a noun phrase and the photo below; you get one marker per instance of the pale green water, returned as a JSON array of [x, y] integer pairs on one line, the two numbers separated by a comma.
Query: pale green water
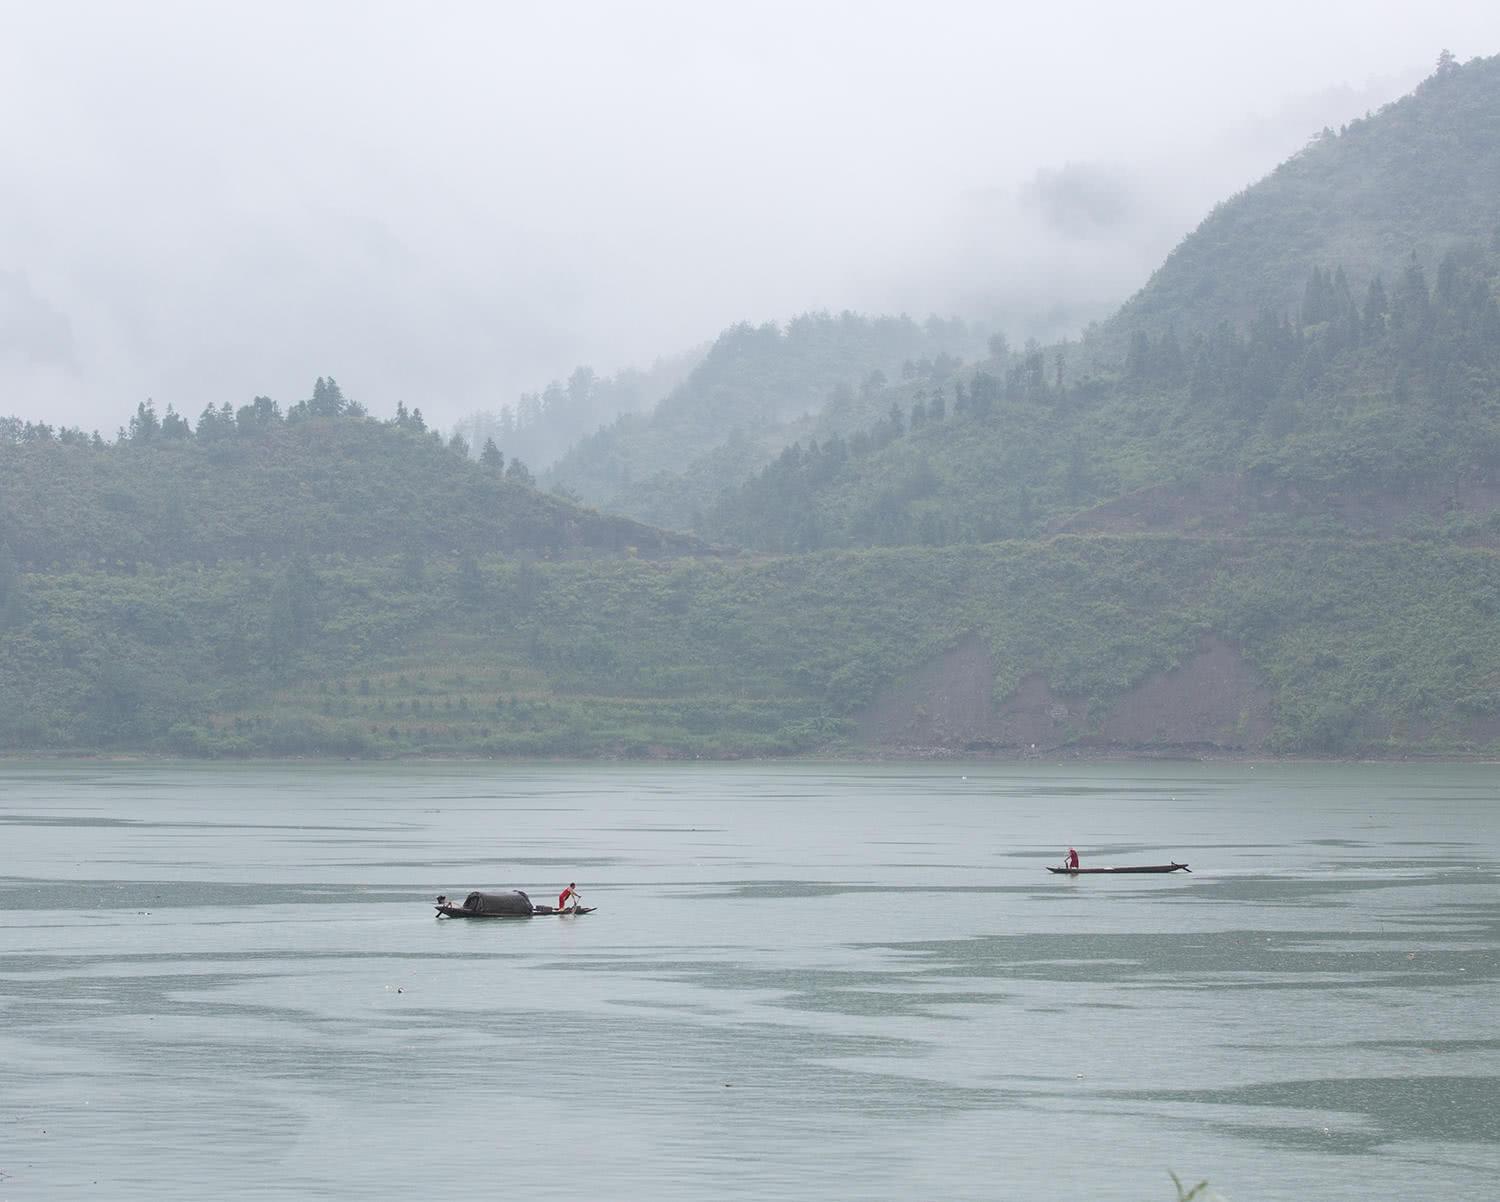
[[803, 982]]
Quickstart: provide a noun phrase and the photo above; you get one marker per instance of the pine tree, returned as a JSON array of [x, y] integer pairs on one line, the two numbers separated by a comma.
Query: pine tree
[[1036, 367], [1411, 310], [1317, 298], [175, 427], [327, 398], [210, 429], [145, 425]]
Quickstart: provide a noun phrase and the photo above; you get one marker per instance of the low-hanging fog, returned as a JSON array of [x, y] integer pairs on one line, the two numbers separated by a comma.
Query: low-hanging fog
[[449, 204]]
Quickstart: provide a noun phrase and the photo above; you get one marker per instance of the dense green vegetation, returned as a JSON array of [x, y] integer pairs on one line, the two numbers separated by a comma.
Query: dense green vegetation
[[1239, 374], [1395, 394], [1367, 646], [1312, 481], [256, 484], [1421, 175], [542, 425], [748, 395]]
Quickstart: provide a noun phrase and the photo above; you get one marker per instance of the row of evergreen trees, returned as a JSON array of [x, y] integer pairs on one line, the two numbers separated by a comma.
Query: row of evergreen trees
[[1444, 339], [1435, 344], [219, 423]]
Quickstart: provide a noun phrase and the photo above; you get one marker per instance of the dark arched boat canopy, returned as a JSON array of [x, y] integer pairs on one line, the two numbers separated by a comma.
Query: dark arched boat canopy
[[509, 902]]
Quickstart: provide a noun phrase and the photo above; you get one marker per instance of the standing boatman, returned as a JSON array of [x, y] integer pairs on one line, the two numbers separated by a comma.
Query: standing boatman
[[570, 892], [1071, 859]]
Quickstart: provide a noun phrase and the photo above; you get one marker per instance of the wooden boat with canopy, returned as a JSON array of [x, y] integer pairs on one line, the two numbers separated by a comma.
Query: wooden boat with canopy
[[506, 903]]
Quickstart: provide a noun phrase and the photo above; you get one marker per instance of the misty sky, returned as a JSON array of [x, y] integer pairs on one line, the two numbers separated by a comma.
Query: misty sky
[[450, 203]]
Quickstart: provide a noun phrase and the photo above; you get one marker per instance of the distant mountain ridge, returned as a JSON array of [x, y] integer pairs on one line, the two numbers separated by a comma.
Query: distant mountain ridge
[[1072, 426], [320, 486], [1254, 385], [1257, 513], [1420, 176], [754, 384]]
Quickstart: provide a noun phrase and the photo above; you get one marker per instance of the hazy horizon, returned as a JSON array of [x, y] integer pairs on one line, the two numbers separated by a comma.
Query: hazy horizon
[[449, 208]]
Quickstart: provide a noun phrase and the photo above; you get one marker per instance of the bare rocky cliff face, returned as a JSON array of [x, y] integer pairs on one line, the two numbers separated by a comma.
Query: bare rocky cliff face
[[1214, 701]]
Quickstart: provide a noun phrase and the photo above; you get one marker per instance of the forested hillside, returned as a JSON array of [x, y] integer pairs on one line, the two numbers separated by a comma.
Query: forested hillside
[[1371, 414], [745, 401], [1378, 647], [1261, 527], [252, 483], [544, 424], [1420, 176], [1237, 367]]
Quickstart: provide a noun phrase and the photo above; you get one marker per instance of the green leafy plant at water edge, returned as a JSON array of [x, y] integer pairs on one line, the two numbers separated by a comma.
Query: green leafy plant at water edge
[[1187, 1195]]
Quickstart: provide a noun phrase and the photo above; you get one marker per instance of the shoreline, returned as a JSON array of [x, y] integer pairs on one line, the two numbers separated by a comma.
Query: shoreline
[[1056, 756]]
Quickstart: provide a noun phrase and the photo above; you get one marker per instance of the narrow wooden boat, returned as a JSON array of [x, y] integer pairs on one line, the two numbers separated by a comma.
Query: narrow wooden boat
[[510, 903], [1172, 867]]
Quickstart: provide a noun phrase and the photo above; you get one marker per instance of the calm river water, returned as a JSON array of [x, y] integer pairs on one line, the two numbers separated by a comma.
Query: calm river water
[[802, 982]]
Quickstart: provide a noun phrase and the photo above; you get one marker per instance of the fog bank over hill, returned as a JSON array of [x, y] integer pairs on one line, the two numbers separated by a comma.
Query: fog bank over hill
[[451, 208], [1046, 255]]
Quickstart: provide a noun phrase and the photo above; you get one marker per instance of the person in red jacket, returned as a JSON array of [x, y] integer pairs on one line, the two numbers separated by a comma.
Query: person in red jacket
[[1071, 860], [563, 898]]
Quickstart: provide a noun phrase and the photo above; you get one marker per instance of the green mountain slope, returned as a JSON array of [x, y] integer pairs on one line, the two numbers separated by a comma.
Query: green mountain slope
[[329, 485], [1272, 534], [543, 425], [1373, 647], [1422, 175], [1371, 411], [748, 394]]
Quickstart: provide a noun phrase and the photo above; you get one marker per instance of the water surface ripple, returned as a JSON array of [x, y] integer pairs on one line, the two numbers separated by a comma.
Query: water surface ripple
[[803, 981]]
